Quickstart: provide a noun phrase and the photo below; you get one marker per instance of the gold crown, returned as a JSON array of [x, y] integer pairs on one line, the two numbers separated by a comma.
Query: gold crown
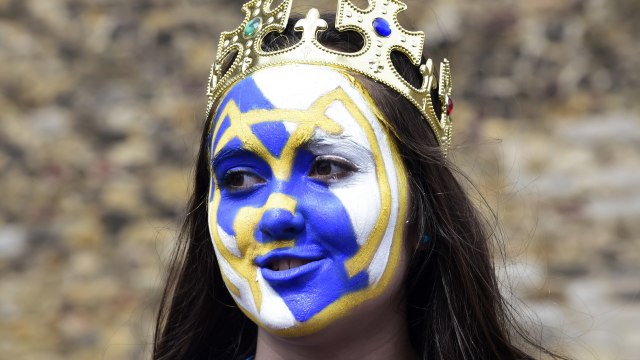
[[382, 34]]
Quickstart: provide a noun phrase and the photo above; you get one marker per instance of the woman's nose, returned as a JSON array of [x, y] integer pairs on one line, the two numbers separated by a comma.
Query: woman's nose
[[280, 224]]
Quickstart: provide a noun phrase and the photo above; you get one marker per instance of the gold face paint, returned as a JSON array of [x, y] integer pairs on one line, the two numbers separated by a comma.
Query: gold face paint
[[343, 232], [241, 128]]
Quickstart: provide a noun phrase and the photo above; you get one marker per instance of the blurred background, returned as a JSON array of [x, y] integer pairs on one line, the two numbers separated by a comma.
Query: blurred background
[[101, 106]]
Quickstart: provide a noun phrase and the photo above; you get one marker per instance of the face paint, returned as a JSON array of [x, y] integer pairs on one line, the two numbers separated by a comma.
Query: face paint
[[308, 197]]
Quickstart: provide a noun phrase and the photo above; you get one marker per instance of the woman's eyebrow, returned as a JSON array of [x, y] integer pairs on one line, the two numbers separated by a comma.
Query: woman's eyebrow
[[329, 144], [338, 143], [228, 152]]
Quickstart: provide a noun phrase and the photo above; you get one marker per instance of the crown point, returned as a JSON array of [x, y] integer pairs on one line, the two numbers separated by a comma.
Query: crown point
[[382, 27]]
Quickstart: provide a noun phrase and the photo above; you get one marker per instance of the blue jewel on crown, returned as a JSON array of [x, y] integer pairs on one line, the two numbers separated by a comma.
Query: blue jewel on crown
[[382, 27]]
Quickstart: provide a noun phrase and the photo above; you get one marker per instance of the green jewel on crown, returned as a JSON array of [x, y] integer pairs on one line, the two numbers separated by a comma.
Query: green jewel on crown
[[252, 28], [382, 33]]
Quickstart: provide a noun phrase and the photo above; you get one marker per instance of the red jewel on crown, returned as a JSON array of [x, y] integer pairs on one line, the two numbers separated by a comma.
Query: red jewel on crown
[[449, 102]]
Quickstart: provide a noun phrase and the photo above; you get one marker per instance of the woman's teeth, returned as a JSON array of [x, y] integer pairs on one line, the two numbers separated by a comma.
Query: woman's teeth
[[286, 264]]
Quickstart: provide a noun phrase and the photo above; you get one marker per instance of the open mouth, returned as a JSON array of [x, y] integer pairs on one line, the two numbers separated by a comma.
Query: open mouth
[[281, 260], [286, 264]]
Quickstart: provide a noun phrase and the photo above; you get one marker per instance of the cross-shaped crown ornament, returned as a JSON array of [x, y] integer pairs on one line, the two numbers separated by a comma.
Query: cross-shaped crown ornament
[[382, 33]]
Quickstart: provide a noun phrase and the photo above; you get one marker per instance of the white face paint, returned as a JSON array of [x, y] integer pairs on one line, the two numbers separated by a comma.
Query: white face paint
[[308, 197]]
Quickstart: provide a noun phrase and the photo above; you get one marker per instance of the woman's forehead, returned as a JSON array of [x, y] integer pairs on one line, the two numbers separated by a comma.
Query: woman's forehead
[[303, 88], [298, 86]]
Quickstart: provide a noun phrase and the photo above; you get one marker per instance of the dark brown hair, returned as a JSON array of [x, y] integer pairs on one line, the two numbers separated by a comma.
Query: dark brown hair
[[454, 306]]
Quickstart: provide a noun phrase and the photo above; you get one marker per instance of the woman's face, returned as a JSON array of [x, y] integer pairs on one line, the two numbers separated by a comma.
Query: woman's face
[[308, 198]]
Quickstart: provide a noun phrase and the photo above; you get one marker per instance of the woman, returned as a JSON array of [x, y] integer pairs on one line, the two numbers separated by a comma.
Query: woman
[[325, 221]]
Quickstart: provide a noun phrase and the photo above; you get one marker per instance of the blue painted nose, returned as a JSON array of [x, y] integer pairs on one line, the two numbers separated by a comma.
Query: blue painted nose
[[280, 224]]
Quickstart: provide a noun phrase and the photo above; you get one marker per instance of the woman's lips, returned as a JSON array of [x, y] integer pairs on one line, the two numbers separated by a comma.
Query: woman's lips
[[285, 260]]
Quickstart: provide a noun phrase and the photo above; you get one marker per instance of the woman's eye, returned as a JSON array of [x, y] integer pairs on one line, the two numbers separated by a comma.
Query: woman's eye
[[329, 168], [241, 180]]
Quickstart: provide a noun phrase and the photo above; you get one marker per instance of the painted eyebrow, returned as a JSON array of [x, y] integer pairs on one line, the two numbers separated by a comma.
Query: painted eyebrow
[[226, 153], [336, 143], [343, 146], [330, 144]]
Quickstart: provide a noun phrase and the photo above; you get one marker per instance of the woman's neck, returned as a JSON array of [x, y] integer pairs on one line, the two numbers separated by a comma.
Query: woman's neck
[[365, 334]]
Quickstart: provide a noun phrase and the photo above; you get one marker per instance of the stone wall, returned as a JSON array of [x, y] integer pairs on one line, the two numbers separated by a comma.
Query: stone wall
[[101, 107]]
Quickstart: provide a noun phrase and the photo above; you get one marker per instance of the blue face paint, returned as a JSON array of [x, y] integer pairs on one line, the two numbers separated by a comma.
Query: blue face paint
[[288, 235], [273, 135], [326, 224], [327, 227]]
